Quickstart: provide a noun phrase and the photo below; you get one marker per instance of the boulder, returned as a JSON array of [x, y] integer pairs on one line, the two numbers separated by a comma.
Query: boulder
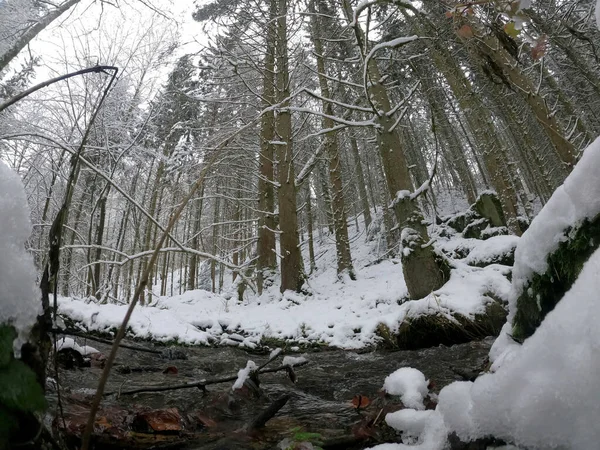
[[489, 207]]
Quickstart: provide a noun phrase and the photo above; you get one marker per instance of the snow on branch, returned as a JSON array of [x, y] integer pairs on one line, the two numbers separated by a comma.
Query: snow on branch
[[394, 43], [335, 102], [310, 164], [411, 196], [362, 123]]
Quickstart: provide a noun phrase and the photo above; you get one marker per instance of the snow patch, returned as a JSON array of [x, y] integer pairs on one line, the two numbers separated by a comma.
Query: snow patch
[[243, 375], [410, 384]]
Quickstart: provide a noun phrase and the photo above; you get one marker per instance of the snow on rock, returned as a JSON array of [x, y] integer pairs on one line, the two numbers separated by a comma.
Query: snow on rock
[[410, 384], [243, 375], [67, 342], [545, 396], [492, 250], [20, 302]]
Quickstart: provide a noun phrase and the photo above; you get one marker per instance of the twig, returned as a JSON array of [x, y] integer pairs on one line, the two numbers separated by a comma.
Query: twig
[[37, 87], [268, 413], [199, 384]]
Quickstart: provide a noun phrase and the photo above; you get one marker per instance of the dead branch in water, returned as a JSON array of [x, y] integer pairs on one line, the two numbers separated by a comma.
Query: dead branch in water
[[202, 383]]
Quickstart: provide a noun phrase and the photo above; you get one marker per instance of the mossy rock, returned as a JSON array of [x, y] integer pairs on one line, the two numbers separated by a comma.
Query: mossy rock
[[460, 221], [544, 290], [435, 329], [474, 229], [424, 270], [488, 206]]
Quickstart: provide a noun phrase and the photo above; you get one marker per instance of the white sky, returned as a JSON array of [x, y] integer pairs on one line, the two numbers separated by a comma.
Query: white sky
[[89, 22]]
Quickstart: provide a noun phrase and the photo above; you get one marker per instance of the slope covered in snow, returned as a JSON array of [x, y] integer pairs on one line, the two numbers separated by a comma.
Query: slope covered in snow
[[341, 313]]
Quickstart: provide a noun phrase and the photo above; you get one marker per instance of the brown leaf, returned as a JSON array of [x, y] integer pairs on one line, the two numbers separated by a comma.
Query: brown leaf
[[449, 14], [171, 370], [539, 49], [101, 424], [360, 401], [98, 360], [364, 429], [465, 32]]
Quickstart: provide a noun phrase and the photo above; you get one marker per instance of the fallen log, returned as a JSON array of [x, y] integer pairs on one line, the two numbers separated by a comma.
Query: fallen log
[[105, 341], [201, 384]]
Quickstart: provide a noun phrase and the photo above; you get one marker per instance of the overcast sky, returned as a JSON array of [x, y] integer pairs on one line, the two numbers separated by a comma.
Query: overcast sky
[[90, 20]]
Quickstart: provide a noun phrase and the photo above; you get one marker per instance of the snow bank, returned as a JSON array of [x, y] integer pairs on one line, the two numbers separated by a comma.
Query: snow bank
[[410, 384], [19, 297], [344, 315], [148, 323], [545, 395]]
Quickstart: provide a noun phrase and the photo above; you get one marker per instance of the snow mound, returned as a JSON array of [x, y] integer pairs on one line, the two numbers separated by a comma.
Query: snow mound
[[19, 297], [545, 395], [421, 430], [67, 342], [410, 384]]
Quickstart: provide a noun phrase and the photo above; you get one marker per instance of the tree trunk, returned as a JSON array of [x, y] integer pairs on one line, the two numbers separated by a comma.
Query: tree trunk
[[422, 273], [342, 242], [291, 259], [267, 258]]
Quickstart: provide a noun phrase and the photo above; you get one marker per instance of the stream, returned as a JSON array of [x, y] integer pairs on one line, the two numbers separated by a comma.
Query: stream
[[320, 408]]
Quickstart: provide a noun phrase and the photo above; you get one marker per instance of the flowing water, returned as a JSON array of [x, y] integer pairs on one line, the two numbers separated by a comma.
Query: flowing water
[[320, 400]]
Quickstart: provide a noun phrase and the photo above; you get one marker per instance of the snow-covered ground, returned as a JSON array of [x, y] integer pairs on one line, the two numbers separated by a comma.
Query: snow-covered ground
[[341, 313]]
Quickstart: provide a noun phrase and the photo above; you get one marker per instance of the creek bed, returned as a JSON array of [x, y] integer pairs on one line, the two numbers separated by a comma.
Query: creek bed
[[320, 403]]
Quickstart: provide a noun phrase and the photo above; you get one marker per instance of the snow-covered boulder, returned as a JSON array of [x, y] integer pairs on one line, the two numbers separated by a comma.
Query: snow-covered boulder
[[496, 250], [553, 251]]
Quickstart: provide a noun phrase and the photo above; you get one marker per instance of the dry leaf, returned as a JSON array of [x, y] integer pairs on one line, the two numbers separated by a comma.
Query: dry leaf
[[465, 32], [360, 401]]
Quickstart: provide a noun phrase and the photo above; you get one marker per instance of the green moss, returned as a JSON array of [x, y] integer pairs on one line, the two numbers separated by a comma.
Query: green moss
[[20, 393], [387, 339], [7, 336], [543, 291]]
